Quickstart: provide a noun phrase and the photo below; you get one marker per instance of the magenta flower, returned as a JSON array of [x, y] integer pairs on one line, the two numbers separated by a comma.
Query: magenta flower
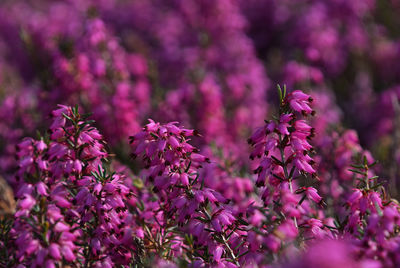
[[300, 102], [313, 195]]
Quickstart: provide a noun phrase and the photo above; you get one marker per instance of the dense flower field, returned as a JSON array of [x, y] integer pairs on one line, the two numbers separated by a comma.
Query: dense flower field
[[200, 133]]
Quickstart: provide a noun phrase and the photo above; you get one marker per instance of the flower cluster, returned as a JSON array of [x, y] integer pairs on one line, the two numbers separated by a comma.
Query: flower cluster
[[283, 145], [103, 77], [72, 209], [172, 167], [66, 198], [372, 218], [73, 196]]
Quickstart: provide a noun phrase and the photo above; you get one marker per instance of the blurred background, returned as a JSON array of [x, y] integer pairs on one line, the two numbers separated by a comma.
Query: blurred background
[[212, 65]]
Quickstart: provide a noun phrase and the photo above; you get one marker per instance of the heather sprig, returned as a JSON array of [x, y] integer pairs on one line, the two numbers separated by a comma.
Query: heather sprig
[[41, 224], [285, 153], [172, 167], [373, 218], [70, 209]]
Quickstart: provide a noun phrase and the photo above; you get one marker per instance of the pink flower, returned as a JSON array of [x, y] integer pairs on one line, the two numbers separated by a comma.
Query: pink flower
[[218, 253], [313, 194], [61, 227], [355, 196], [27, 202], [41, 146], [54, 251], [300, 102]]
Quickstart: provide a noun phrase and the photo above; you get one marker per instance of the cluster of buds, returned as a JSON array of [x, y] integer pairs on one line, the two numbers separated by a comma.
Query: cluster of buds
[[69, 209], [373, 219], [173, 168], [283, 146]]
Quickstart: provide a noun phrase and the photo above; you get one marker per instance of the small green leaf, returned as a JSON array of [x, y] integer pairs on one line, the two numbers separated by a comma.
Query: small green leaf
[[67, 117], [357, 171], [356, 166], [284, 91], [373, 178], [280, 93]]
